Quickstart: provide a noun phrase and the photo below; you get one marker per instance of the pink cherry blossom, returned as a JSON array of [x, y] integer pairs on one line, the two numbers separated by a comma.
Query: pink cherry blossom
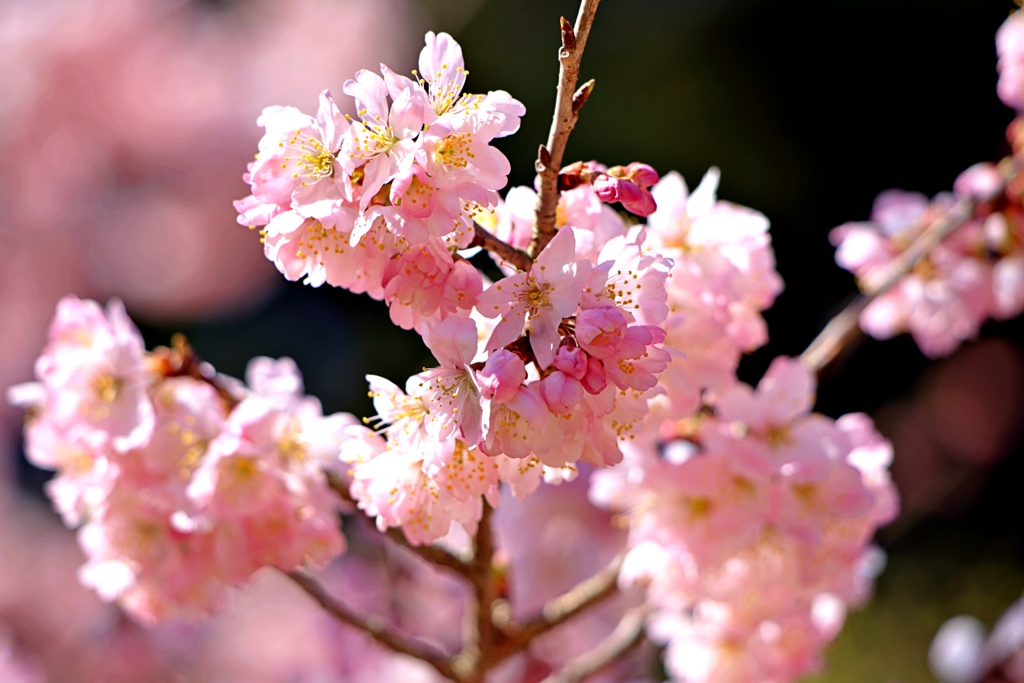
[[520, 426], [944, 300], [451, 393], [722, 277], [538, 299], [95, 377], [394, 489], [296, 163]]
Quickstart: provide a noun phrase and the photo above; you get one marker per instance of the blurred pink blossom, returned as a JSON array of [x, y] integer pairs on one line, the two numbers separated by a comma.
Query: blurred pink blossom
[[123, 127]]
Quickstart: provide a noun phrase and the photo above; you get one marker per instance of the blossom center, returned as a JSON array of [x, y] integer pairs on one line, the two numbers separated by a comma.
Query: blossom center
[[536, 295], [107, 387], [315, 161], [454, 150]]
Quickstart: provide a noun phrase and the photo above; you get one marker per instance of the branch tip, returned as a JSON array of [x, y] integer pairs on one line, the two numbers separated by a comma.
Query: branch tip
[[574, 40]]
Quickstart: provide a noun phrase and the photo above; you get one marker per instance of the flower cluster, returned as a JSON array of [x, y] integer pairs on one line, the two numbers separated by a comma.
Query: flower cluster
[[752, 536], [566, 361], [974, 274], [606, 339], [184, 484], [616, 337], [553, 366], [380, 202]]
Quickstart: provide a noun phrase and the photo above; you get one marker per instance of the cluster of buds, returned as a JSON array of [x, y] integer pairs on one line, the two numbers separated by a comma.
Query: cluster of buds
[[627, 185]]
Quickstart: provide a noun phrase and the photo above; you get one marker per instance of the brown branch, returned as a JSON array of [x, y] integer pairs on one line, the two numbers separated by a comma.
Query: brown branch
[[431, 553], [506, 252], [581, 597], [373, 626], [480, 634], [838, 333], [549, 160], [626, 636], [843, 328]]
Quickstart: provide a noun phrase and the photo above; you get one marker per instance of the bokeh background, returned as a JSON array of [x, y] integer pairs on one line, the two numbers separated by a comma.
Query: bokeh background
[[126, 126]]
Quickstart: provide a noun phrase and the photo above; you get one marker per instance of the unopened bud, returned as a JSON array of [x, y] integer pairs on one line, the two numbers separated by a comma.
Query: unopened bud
[[568, 35], [543, 158], [642, 174], [561, 392], [582, 94], [595, 380]]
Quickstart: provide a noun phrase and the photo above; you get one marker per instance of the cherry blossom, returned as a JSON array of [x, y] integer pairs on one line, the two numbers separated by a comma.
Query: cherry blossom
[[538, 299], [944, 300]]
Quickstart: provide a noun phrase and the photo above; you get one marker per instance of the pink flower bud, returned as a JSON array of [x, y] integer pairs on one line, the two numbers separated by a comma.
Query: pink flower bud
[[561, 392], [633, 197], [595, 380], [642, 174], [502, 375], [571, 360], [600, 330], [608, 188]]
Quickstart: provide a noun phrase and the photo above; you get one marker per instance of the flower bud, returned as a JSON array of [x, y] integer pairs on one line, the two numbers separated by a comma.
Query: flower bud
[[595, 380], [599, 330], [561, 392], [571, 360], [502, 375], [634, 198]]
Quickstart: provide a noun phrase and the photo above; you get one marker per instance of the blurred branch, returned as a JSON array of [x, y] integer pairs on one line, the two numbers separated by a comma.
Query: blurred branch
[[373, 626], [626, 636], [567, 107], [584, 595], [180, 360], [480, 634]]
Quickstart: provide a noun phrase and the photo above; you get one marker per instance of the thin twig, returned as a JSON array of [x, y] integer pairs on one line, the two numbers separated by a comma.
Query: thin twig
[[431, 553], [627, 635], [843, 328], [517, 257], [581, 597], [549, 160], [837, 334], [373, 626]]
